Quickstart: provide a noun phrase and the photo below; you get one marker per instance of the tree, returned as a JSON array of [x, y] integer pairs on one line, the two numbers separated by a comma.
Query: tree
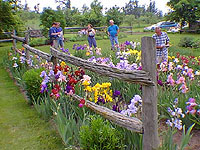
[[95, 15], [184, 10], [64, 3], [73, 16], [15, 4], [49, 16], [115, 14], [152, 7], [129, 19], [132, 8], [8, 19], [84, 9]]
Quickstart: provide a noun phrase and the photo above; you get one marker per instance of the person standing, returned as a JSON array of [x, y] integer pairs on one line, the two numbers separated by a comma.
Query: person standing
[[162, 44], [53, 35], [91, 36], [60, 36], [113, 31]]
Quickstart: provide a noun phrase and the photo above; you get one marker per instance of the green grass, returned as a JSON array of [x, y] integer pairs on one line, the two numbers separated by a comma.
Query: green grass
[[20, 125], [105, 44]]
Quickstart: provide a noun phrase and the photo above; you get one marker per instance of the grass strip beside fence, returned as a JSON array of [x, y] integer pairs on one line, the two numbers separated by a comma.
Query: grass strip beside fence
[[20, 125]]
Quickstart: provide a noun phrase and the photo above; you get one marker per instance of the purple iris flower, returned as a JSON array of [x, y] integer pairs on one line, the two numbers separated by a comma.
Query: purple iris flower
[[105, 60], [116, 93], [111, 65], [127, 43], [78, 48], [43, 74], [114, 107], [92, 58], [101, 100], [68, 88], [51, 73], [43, 88], [139, 68], [160, 83], [74, 46]]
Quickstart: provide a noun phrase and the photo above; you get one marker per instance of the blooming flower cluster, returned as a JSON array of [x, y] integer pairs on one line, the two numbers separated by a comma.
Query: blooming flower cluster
[[65, 51], [99, 92], [61, 77], [79, 47], [192, 107], [134, 107], [123, 64], [179, 75], [176, 114], [127, 45]]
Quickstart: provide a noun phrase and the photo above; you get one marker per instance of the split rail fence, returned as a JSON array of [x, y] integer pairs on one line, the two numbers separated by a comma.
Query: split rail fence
[[146, 77]]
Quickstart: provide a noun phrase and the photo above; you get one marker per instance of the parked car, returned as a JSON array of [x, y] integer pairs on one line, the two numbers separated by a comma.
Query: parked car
[[162, 24]]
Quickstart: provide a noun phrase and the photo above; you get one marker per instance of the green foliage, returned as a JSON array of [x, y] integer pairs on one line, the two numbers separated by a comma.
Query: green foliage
[[186, 137], [68, 118], [37, 41], [189, 42], [49, 16], [32, 82], [76, 38], [129, 19], [8, 19], [184, 10], [186, 42], [133, 8], [168, 143], [114, 14], [30, 19], [43, 107], [99, 135], [87, 16]]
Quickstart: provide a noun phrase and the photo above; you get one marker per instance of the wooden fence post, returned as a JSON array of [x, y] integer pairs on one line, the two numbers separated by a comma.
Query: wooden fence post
[[149, 96], [27, 42], [53, 58], [14, 41]]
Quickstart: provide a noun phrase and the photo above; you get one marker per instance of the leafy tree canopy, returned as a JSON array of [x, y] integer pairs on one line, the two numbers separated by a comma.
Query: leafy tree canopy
[[115, 14], [8, 19], [184, 10], [49, 16]]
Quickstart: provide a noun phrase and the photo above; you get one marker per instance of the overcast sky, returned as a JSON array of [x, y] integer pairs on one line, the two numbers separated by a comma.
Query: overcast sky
[[160, 4]]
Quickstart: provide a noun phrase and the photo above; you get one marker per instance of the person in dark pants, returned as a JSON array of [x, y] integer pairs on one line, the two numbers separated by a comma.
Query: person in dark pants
[[53, 35], [60, 37], [91, 36]]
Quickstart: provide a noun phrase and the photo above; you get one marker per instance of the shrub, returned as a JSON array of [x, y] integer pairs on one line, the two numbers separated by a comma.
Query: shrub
[[196, 44], [32, 82], [186, 42], [99, 135], [78, 38], [37, 41]]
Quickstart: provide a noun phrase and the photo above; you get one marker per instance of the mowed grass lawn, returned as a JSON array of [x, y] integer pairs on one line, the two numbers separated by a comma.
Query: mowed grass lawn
[[20, 126], [105, 44]]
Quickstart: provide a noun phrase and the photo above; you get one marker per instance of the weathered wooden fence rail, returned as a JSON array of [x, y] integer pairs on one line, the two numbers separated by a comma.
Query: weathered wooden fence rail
[[138, 76], [6, 40], [146, 77]]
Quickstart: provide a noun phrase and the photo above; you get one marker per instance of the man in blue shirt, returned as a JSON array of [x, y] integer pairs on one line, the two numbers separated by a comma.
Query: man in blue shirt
[[162, 44], [113, 31], [53, 35]]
